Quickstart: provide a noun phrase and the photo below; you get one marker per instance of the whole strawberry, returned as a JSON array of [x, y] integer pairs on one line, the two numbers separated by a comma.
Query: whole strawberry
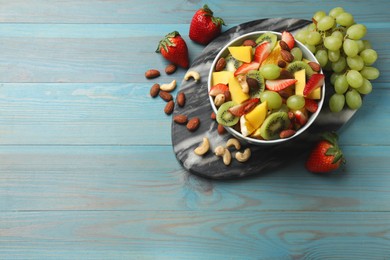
[[204, 26], [173, 48], [326, 155]]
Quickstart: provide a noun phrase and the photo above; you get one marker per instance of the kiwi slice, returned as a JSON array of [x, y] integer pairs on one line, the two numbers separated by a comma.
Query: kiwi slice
[[273, 125], [231, 63], [299, 65], [268, 36], [255, 82], [224, 117]]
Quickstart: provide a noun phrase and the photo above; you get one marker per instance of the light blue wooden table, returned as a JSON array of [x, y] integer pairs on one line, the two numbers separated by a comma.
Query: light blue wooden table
[[87, 169]]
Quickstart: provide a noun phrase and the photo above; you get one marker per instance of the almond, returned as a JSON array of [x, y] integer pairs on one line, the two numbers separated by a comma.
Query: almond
[[152, 73], [282, 64], [170, 69], [221, 63], [221, 130], [287, 56], [154, 90], [165, 95], [181, 99], [249, 42], [252, 83], [287, 133], [213, 116], [284, 45], [228, 95], [193, 124], [315, 66], [169, 107], [180, 119]]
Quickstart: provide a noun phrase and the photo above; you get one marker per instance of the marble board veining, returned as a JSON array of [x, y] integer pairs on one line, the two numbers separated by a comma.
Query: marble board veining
[[197, 105]]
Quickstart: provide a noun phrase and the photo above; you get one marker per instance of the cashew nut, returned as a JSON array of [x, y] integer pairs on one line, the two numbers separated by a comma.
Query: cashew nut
[[169, 87], [219, 100], [233, 142], [192, 74], [203, 147], [243, 156], [227, 157], [244, 85], [219, 150]]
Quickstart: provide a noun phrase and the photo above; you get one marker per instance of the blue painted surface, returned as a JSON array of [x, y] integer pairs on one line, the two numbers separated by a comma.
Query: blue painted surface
[[87, 169]]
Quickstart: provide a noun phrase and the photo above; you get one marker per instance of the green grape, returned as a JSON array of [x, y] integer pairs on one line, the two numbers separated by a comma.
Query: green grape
[[339, 65], [354, 78], [353, 99], [338, 34], [297, 53], [325, 23], [336, 102], [334, 56], [295, 102], [311, 48], [355, 63], [350, 48], [270, 71], [333, 77], [341, 84], [336, 11], [322, 57], [274, 100], [301, 35], [318, 15], [366, 88], [369, 56], [313, 38], [356, 31], [333, 43], [360, 44], [345, 19], [370, 73]]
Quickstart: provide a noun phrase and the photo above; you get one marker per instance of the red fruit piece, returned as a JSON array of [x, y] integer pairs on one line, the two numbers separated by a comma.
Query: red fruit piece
[[279, 84], [311, 105], [244, 68], [262, 51], [245, 107], [173, 48], [315, 81], [218, 89], [288, 38], [300, 117], [287, 133], [326, 156], [204, 26]]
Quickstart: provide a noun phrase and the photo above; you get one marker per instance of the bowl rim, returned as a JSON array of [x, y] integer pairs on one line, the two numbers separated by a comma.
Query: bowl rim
[[307, 54]]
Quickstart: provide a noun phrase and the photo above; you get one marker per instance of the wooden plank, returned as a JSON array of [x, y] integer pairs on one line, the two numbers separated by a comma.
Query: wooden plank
[[47, 178], [125, 114], [194, 235], [134, 11]]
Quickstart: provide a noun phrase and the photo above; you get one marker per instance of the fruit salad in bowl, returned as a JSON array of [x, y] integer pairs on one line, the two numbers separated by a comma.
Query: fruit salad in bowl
[[265, 87]]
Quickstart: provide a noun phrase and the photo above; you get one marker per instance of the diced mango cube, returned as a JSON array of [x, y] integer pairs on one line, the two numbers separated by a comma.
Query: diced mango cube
[[222, 77], [241, 53], [300, 76], [236, 92]]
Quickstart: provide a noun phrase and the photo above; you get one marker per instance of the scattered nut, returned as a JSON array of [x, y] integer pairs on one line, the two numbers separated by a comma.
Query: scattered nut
[[284, 45], [180, 119], [249, 42], [169, 107], [213, 116], [282, 64], [287, 133], [244, 85], [181, 99], [170, 69], [165, 95], [228, 96], [315, 66], [286, 55], [193, 124], [219, 100], [152, 73], [227, 157], [203, 147], [233, 142], [252, 83], [243, 156], [221, 129], [192, 74], [168, 87], [219, 150], [154, 90], [221, 63]]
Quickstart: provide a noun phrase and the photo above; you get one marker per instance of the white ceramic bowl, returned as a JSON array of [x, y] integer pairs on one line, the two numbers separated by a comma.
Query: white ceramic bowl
[[307, 54]]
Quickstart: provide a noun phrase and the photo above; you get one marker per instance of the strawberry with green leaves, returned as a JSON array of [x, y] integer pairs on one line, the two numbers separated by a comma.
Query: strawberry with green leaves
[[326, 155], [173, 48], [204, 26]]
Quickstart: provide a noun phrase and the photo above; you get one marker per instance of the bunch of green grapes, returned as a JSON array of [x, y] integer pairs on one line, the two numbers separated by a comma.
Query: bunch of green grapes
[[337, 42]]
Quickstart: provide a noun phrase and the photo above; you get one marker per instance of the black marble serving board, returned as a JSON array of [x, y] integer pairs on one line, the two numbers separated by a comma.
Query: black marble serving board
[[197, 105]]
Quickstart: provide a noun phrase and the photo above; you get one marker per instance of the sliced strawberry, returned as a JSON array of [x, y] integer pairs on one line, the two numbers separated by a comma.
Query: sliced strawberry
[[218, 89], [262, 51], [315, 81], [289, 39], [279, 84], [300, 117], [245, 107], [244, 68], [311, 105]]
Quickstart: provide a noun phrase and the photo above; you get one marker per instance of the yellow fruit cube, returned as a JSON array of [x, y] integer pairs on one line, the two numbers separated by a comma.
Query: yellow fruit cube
[[315, 94], [257, 116], [241, 53], [236, 92], [222, 77], [300, 76], [246, 127]]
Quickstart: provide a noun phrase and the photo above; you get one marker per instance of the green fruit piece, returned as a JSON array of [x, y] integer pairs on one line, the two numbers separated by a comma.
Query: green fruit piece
[[255, 89], [231, 63], [274, 124], [299, 65], [270, 37], [224, 117]]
